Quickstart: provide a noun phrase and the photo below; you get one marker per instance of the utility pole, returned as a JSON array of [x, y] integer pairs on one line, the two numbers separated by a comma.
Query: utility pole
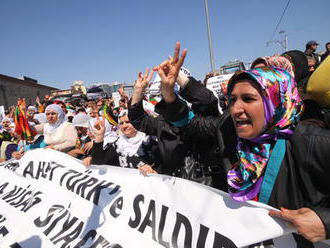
[[209, 36], [283, 43]]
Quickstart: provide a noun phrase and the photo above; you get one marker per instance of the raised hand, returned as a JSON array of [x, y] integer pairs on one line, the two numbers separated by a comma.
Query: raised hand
[[99, 130], [143, 79], [305, 220], [141, 84], [169, 69], [38, 100]]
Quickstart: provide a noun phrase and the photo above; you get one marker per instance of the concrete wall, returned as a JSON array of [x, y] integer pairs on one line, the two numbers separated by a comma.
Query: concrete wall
[[13, 88]]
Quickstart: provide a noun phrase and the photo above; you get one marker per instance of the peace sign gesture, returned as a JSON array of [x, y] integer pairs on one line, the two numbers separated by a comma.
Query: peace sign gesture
[[169, 69], [143, 80]]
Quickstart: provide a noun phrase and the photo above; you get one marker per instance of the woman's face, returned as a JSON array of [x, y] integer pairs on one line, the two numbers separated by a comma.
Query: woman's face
[[6, 124], [30, 113], [99, 104], [126, 127], [247, 110], [51, 116]]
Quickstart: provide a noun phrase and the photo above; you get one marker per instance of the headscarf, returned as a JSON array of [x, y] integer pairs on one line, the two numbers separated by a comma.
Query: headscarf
[[300, 66], [49, 128], [275, 61], [294, 61], [6, 119], [31, 107], [130, 146], [282, 107], [81, 120]]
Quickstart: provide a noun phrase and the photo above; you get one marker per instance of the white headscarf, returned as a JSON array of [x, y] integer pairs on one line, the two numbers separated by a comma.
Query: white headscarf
[[6, 119], [31, 107], [49, 128]]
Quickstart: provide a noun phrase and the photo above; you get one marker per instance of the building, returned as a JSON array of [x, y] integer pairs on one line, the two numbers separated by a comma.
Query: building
[[129, 90], [13, 88], [78, 87]]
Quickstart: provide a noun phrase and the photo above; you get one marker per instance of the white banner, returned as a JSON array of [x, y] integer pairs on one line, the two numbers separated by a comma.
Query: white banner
[[49, 199]]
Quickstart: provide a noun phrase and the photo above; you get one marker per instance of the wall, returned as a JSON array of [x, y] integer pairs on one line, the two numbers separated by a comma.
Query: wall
[[13, 88]]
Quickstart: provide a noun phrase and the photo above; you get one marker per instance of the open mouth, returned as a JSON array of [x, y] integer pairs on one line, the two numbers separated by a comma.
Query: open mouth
[[242, 123]]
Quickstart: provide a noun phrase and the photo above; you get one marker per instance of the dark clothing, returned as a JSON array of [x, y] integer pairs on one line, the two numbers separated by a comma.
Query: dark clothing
[[311, 54], [312, 110], [206, 150], [82, 141], [172, 150], [299, 62], [202, 99], [315, 114], [5, 136], [303, 177], [325, 55], [327, 52], [304, 173]]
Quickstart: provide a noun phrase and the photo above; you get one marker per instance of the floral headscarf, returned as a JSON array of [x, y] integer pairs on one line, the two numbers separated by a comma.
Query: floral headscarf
[[283, 107], [278, 61]]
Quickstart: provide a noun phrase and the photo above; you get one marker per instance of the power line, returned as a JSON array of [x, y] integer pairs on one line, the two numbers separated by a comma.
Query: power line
[[279, 21]]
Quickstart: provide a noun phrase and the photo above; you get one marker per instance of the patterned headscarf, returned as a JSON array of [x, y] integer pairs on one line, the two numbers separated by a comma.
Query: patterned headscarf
[[282, 107], [278, 61]]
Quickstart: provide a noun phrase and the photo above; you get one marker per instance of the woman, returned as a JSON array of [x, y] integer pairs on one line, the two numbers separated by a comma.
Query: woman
[[84, 141], [132, 149], [58, 134], [265, 107]]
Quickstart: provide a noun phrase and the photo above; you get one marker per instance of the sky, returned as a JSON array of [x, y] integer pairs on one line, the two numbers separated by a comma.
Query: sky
[[58, 42]]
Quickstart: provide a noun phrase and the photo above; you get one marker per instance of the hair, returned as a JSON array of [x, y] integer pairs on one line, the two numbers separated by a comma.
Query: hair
[[81, 110]]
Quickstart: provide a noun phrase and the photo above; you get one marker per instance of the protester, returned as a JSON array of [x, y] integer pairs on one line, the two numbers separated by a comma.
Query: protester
[[30, 113], [264, 117], [6, 137], [132, 149], [172, 150], [59, 134], [265, 107], [84, 142], [6, 129], [327, 51], [295, 62], [311, 47]]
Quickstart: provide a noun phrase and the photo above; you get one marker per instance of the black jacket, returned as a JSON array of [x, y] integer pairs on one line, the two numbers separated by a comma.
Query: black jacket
[[171, 147], [208, 149]]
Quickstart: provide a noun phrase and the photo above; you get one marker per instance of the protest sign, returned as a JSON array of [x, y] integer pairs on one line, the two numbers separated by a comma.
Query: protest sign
[[116, 98]]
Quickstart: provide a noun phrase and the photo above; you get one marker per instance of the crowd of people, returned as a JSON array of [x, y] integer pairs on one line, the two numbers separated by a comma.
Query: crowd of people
[[270, 144]]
